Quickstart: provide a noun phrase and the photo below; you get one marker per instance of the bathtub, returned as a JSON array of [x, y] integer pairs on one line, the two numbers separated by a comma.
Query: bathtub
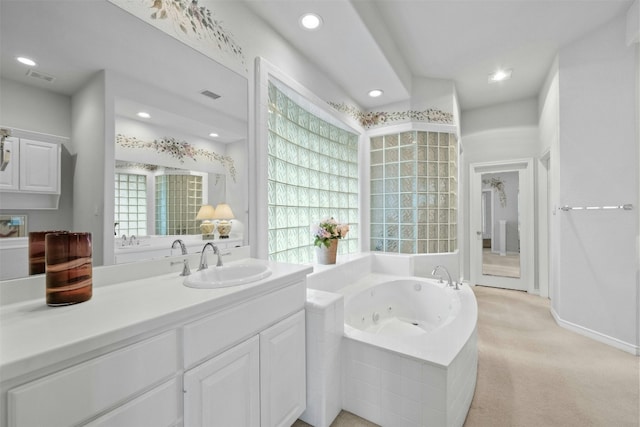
[[410, 351]]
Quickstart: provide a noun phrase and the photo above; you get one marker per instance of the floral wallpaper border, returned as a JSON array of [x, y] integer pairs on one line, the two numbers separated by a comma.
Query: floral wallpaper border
[[178, 150], [379, 118], [193, 24], [199, 22]]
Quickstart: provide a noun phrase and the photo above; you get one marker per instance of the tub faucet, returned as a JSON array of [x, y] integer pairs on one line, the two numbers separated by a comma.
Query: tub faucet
[[132, 239], [442, 267], [185, 263], [203, 256], [124, 240]]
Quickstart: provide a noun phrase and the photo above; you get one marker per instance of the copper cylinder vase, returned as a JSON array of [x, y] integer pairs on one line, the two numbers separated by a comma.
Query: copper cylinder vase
[[69, 268], [36, 251]]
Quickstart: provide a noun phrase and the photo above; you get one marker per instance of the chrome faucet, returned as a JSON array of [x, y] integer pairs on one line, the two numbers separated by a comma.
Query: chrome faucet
[[203, 256], [124, 240], [132, 239], [185, 263], [442, 267], [453, 284]]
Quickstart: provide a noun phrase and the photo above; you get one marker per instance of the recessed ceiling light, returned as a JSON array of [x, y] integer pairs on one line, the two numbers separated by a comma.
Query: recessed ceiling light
[[213, 135], [144, 115], [500, 76], [375, 93], [26, 61], [310, 21]]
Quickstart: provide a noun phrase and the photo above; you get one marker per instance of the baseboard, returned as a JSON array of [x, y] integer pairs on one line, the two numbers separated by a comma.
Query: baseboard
[[597, 336]]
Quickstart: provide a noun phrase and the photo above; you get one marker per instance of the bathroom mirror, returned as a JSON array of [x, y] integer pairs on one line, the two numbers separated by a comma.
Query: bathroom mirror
[[500, 224], [142, 69]]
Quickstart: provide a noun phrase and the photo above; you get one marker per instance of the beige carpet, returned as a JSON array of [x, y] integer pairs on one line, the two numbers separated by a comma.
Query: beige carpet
[[532, 373]]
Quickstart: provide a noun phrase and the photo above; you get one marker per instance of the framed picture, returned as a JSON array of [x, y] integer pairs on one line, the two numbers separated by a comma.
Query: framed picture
[[13, 226]]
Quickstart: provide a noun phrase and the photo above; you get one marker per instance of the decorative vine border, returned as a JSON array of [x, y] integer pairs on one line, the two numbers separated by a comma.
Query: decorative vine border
[[377, 118], [178, 150], [198, 21]]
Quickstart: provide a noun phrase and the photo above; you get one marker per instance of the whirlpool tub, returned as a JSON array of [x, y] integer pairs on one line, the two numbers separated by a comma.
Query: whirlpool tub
[[410, 351]]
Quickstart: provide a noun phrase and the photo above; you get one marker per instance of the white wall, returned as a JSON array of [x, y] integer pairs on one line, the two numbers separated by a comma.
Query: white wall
[[501, 132], [90, 130], [596, 263], [37, 110]]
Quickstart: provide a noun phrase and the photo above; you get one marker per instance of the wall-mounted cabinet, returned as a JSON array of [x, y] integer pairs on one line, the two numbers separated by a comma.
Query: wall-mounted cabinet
[[31, 179]]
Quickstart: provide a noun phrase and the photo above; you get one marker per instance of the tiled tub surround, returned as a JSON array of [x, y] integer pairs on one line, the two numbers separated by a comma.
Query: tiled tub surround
[[409, 377], [325, 325], [420, 380]]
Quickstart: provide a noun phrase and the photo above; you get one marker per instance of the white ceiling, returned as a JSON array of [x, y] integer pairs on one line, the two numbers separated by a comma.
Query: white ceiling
[[366, 44]]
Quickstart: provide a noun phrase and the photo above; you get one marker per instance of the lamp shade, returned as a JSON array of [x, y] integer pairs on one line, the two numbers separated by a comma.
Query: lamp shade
[[223, 211], [206, 212]]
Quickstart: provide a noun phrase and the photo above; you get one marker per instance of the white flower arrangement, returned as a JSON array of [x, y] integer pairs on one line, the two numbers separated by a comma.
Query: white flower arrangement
[[327, 230]]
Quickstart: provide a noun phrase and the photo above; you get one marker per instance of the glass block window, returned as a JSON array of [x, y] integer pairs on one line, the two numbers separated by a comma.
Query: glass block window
[[178, 198], [312, 175], [414, 190], [131, 204]]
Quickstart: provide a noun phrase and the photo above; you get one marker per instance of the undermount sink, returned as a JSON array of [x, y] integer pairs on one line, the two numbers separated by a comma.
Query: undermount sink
[[227, 275]]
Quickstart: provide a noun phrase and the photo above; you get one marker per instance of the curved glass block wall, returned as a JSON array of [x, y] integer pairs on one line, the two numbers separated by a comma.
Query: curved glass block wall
[[414, 192], [312, 175]]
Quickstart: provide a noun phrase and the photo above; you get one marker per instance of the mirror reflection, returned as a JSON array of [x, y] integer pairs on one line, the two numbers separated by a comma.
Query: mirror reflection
[[500, 224], [90, 82], [157, 200]]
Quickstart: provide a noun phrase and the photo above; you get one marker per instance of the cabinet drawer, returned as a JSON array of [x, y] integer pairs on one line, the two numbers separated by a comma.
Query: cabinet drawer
[[207, 337], [156, 408], [78, 393]]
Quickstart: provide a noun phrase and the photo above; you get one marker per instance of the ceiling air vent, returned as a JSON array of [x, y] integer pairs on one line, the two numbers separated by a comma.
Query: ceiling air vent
[[210, 94], [40, 75]]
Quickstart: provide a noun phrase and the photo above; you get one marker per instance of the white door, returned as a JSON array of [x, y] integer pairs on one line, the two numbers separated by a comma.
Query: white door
[[225, 391], [508, 261], [283, 372]]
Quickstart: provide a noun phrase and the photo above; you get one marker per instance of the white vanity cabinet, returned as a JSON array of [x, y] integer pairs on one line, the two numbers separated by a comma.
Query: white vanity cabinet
[[34, 166], [225, 391], [31, 179], [245, 366], [283, 394], [81, 392], [260, 382], [170, 356]]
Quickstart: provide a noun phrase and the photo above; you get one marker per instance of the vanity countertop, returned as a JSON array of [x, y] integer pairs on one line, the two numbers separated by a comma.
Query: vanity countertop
[[34, 336]]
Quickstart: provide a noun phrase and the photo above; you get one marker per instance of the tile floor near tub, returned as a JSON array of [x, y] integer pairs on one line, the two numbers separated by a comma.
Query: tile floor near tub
[[344, 419]]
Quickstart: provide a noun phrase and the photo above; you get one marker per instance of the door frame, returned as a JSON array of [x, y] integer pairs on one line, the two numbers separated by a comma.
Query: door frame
[[526, 210]]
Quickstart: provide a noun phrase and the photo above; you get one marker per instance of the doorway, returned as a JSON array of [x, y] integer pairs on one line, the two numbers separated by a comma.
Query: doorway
[[501, 221]]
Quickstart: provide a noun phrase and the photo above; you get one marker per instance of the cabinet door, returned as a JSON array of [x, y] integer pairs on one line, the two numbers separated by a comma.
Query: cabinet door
[[9, 176], [225, 391], [283, 372], [39, 166]]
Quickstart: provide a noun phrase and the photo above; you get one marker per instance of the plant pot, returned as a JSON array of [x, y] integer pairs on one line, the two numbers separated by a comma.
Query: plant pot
[[327, 255]]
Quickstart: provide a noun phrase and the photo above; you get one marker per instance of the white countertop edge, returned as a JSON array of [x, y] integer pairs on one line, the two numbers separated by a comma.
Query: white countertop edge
[[34, 336]]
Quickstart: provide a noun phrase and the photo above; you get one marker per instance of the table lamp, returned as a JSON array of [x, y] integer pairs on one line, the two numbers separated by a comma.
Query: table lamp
[[223, 213], [206, 214]]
